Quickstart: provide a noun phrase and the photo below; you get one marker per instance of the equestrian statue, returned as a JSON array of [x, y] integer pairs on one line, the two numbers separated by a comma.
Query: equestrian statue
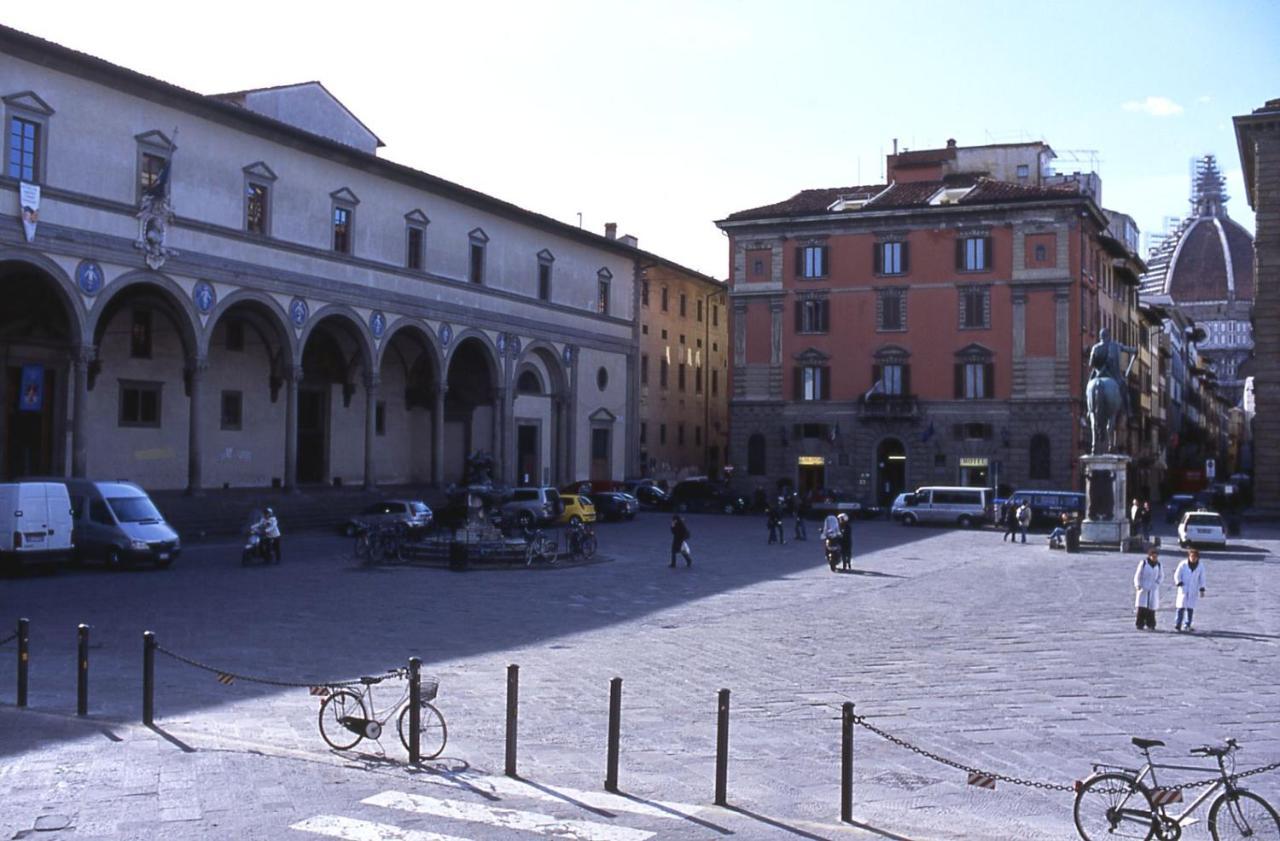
[[1107, 393]]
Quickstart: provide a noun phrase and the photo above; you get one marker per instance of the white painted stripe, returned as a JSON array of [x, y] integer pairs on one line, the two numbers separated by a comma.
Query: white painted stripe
[[506, 818], [350, 829], [508, 787]]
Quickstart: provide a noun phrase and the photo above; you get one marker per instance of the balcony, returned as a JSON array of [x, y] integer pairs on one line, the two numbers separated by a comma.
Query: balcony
[[887, 407]]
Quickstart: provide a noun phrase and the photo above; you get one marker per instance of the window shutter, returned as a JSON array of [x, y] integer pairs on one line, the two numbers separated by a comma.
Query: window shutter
[[877, 258], [988, 379], [799, 316], [906, 380], [957, 431], [797, 384], [988, 253], [800, 261], [875, 375], [826, 382], [959, 253], [959, 368], [826, 262], [824, 308], [906, 252]]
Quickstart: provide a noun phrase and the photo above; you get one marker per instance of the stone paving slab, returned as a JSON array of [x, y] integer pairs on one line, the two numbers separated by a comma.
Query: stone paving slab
[[1011, 658]]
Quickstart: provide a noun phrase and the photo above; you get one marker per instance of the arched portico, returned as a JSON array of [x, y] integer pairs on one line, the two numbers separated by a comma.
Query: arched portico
[[540, 409], [475, 404], [336, 353], [411, 415]]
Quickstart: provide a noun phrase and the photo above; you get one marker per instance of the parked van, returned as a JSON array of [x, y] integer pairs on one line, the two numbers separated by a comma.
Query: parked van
[[1047, 507], [117, 523], [36, 522], [964, 507]]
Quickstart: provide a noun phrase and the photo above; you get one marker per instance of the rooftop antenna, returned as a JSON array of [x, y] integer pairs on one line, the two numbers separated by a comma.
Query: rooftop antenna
[[579, 218]]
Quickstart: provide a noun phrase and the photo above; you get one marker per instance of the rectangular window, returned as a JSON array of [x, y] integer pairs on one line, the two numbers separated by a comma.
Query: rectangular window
[[139, 404], [662, 433], [892, 377], [680, 434], [715, 383], [544, 281], [974, 380], [811, 316], [890, 258], [973, 254], [663, 368], [664, 299], [813, 382], [255, 208], [599, 444], [811, 261], [715, 316], [414, 242], [149, 170], [140, 335], [644, 369], [699, 310], [24, 149], [602, 296], [891, 309], [475, 271], [975, 307], [680, 376], [684, 305], [342, 230], [232, 410], [644, 293], [380, 418], [697, 380]]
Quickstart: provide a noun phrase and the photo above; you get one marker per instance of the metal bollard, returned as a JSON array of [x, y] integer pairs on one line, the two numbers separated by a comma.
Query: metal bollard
[[722, 748], [846, 762], [615, 729], [415, 709], [24, 656], [148, 677], [82, 683], [513, 703]]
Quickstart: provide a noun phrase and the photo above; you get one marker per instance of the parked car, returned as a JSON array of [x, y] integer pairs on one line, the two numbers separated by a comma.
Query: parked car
[[578, 508], [1047, 507], [116, 522], [413, 513], [1202, 528], [651, 496], [37, 516], [533, 506], [901, 503], [1177, 505], [700, 495], [964, 507], [616, 505]]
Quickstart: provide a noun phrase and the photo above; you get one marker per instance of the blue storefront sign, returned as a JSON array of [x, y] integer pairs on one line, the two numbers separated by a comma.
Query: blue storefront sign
[[31, 393]]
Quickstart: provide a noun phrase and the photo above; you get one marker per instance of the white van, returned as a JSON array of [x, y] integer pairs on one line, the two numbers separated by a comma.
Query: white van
[[117, 522], [36, 522], [964, 507]]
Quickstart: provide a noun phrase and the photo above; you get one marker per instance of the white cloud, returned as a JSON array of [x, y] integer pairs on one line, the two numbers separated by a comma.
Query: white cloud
[[1203, 100], [1154, 106]]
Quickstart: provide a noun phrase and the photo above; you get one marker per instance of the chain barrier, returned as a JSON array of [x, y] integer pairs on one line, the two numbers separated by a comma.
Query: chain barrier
[[227, 677], [8, 639]]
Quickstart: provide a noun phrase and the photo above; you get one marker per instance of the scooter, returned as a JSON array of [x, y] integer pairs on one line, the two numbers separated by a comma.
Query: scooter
[[257, 546], [833, 552]]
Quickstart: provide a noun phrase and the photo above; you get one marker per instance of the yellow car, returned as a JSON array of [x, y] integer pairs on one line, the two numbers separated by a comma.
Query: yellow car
[[577, 509]]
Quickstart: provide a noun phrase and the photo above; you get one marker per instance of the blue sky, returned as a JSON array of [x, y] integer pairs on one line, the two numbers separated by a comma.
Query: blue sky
[[663, 116]]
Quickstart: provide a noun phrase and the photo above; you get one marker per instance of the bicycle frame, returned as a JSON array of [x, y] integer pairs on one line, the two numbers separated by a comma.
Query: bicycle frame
[[388, 712], [1149, 771]]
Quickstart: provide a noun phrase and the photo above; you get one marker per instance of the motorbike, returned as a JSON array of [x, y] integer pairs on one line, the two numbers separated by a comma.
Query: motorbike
[[832, 545], [259, 547]]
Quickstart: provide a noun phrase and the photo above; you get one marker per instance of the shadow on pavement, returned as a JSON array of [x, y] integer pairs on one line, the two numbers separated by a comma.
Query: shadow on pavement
[[1236, 635], [776, 824], [170, 738]]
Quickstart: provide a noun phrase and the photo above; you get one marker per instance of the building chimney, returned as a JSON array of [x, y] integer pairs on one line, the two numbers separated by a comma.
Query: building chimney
[[610, 230], [629, 240], [951, 143]]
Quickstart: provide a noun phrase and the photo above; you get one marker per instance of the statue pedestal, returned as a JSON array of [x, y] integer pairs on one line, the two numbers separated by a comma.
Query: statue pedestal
[[1106, 521]]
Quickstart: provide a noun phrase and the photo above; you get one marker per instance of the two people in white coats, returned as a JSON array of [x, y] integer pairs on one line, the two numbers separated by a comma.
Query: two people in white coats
[[1146, 581], [1189, 580]]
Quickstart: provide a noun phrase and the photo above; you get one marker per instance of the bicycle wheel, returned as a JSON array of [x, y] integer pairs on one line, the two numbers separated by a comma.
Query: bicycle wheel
[[432, 731], [588, 545], [362, 547], [1242, 814], [1114, 805], [341, 704], [377, 548]]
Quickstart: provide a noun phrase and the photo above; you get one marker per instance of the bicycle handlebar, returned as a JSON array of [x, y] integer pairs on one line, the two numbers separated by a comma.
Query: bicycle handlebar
[[1230, 746]]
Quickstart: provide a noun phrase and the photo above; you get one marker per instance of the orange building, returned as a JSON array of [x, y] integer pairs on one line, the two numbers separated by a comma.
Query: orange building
[[931, 330]]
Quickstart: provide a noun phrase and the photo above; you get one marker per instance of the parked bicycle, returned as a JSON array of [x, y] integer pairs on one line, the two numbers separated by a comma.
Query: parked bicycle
[[378, 543], [580, 540], [349, 715], [1120, 802], [539, 547]]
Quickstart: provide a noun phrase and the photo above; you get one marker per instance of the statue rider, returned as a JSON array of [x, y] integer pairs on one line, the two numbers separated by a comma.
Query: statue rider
[[1104, 358]]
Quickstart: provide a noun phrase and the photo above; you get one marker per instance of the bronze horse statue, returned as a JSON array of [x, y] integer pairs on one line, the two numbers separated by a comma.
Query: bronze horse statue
[[1103, 400]]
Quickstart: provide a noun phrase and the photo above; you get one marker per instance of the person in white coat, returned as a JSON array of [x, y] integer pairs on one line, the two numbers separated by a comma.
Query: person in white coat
[[1189, 578], [1146, 581]]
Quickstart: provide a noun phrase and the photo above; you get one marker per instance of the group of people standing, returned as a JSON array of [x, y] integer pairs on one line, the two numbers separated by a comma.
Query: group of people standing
[[1015, 518], [1189, 581]]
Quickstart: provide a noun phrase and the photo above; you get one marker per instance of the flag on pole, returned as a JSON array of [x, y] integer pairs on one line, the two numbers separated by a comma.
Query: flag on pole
[[876, 388]]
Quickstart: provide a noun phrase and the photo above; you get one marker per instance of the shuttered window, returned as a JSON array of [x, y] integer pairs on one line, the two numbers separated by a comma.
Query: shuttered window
[[811, 261]]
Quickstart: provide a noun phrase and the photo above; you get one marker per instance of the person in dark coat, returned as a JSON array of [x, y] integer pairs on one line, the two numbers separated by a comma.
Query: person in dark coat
[[1009, 521], [776, 534], [679, 534], [846, 543]]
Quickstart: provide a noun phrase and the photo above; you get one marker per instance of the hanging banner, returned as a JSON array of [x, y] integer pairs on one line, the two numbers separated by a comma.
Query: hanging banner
[[30, 196], [31, 393]]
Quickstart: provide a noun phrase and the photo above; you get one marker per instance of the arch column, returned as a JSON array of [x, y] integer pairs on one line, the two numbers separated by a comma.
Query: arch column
[[437, 435], [499, 438], [197, 367], [371, 385], [560, 441], [292, 378], [82, 358]]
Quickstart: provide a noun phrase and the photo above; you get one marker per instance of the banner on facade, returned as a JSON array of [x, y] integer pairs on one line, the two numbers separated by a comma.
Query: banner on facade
[[30, 197], [31, 392]]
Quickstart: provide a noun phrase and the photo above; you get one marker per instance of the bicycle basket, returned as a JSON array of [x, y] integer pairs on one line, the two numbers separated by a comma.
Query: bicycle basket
[[429, 689]]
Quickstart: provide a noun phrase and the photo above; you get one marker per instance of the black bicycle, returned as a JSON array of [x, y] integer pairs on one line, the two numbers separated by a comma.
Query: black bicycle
[[349, 715], [580, 541], [380, 543]]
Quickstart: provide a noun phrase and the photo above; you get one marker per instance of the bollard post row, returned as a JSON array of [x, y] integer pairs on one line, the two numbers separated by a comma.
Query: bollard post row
[[82, 670], [615, 729], [148, 678], [722, 748], [846, 762], [513, 704], [24, 657], [415, 709]]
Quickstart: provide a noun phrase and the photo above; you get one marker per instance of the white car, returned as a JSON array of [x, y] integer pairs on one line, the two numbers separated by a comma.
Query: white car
[[1200, 528]]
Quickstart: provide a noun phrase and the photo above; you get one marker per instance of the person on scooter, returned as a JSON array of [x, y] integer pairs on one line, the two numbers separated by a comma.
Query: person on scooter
[[831, 540], [269, 528]]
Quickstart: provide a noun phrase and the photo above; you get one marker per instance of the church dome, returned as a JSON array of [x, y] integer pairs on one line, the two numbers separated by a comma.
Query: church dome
[[1209, 257]]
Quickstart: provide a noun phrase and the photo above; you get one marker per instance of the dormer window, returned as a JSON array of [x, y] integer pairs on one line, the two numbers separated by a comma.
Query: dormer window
[[949, 195]]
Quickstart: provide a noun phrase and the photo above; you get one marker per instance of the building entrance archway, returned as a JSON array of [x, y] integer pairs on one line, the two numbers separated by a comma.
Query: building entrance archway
[[472, 414], [332, 361], [891, 471]]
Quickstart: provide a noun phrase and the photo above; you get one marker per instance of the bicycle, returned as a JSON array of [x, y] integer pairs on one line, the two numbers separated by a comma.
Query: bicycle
[[539, 548], [580, 541], [374, 544], [1115, 802], [346, 718]]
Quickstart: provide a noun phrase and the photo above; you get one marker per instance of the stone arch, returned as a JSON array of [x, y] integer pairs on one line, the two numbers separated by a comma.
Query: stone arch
[[359, 330], [529, 380], [550, 358], [542, 421], [173, 298], [273, 317], [334, 345], [63, 285], [423, 334], [492, 357], [409, 412]]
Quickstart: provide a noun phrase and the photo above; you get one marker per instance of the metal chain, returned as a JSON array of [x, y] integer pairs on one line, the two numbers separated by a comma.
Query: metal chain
[[8, 639], [249, 679]]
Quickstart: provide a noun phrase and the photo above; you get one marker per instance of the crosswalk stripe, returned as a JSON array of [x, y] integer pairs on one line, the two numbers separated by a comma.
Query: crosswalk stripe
[[508, 787], [350, 829], [514, 819]]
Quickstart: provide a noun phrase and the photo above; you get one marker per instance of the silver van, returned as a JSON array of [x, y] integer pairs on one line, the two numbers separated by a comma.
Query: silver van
[[116, 522], [964, 507]]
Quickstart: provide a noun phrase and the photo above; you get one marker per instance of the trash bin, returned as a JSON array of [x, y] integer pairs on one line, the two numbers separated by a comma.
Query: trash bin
[[457, 556]]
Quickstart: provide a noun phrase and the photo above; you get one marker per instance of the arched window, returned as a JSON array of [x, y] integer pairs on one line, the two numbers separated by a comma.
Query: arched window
[[1041, 463], [755, 455], [528, 383]]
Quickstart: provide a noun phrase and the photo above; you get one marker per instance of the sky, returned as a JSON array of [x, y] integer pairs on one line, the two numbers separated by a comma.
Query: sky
[[666, 115]]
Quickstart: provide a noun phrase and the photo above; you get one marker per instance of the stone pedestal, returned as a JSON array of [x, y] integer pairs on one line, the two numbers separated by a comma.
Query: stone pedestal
[[1106, 521]]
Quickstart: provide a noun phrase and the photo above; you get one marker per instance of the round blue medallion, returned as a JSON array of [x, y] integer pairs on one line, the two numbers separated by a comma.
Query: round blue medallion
[[446, 334], [568, 354], [377, 324], [514, 344], [298, 312], [204, 296], [89, 277]]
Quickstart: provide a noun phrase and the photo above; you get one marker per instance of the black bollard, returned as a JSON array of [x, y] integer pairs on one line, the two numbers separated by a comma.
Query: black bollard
[[722, 748], [24, 656], [846, 762], [615, 729], [148, 677], [513, 704], [82, 684], [415, 709]]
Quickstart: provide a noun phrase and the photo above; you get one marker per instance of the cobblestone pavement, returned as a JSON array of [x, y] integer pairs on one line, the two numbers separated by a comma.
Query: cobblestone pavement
[[1005, 657]]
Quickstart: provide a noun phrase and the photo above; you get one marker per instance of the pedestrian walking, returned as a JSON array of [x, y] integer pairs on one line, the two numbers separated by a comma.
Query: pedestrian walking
[[1189, 581], [1024, 519], [797, 511], [1146, 521], [1008, 520], [1135, 513], [776, 534], [680, 541], [846, 543], [1146, 581]]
